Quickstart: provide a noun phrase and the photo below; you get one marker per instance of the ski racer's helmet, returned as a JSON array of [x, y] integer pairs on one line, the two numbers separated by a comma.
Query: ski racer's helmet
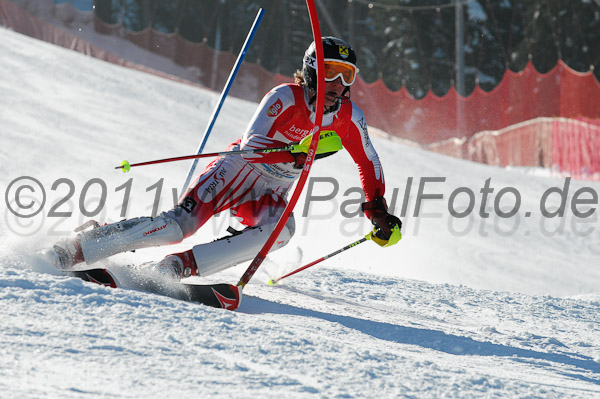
[[340, 61]]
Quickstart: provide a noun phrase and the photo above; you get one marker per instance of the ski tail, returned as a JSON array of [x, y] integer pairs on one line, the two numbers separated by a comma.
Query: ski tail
[[224, 296], [98, 276]]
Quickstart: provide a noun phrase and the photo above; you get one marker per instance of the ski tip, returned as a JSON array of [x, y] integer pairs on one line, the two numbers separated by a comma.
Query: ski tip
[[225, 299], [225, 296]]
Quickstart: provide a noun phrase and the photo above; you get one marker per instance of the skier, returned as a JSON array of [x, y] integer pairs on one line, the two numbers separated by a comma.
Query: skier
[[253, 187]]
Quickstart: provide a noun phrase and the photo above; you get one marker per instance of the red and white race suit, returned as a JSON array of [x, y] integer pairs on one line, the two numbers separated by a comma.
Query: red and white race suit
[[254, 186]]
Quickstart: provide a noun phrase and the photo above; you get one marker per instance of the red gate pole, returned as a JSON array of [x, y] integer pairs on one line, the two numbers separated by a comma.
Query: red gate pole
[[314, 20]]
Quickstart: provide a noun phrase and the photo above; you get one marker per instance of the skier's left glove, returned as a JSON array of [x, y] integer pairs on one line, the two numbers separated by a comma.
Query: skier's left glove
[[387, 226], [329, 144], [299, 159]]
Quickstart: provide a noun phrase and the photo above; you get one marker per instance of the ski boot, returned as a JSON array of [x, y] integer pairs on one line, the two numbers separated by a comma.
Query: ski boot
[[67, 252], [100, 242], [176, 266]]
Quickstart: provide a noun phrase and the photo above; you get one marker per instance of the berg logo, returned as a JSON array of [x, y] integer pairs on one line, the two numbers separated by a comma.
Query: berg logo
[[275, 109]]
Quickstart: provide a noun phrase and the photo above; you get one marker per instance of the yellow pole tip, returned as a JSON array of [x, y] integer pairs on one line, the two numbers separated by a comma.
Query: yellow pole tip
[[125, 166]]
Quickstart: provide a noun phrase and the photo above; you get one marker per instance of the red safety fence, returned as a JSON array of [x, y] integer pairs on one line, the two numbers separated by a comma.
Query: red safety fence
[[520, 96], [567, 146], [17, 19], [472, 127], [576, 148]]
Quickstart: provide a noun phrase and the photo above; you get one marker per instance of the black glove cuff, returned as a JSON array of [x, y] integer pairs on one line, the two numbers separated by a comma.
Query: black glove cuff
[[378, 204]]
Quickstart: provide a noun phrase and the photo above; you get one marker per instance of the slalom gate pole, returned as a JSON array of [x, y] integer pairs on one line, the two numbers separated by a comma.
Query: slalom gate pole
[[125, 165], [355, 243], [260, 257], [230, 80]]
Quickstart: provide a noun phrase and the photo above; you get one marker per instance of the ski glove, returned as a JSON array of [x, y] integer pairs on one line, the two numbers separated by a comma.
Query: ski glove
[[329, 144], [384, 222], [299, 160]]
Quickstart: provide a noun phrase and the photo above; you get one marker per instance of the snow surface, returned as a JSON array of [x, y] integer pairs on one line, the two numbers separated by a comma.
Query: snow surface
[[468, 307]]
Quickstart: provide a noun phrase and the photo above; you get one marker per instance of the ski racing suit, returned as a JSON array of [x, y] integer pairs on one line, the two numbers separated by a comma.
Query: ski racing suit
[[253, 187]]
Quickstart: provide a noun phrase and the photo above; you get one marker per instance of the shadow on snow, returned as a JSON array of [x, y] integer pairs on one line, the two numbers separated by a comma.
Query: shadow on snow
[[426, 338]]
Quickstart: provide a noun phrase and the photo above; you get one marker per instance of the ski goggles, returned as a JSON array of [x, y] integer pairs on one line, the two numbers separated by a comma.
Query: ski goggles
[[342, 69], [335, 69]]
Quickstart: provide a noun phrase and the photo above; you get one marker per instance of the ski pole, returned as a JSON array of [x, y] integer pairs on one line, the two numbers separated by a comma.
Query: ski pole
[[355, 243], [330, 140], [125, 165], [228, 85]]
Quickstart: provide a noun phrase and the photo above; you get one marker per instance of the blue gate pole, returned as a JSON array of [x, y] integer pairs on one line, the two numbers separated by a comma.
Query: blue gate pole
[[216, 111]]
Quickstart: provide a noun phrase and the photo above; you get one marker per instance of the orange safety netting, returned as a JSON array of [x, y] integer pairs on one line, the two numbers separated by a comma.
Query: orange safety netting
[[568, 146], [520, 96]]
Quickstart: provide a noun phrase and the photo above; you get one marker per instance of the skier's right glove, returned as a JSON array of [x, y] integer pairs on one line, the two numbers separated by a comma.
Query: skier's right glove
[[387, 226]]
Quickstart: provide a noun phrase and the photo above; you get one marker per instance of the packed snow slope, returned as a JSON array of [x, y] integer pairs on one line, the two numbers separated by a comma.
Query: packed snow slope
[[462, 307]]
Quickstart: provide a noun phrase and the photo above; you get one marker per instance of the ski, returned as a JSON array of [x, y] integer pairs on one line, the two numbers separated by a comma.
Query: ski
[[97, 276], [224, 296]]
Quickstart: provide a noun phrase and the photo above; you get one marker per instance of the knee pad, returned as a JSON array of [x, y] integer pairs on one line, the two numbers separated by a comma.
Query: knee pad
[[128, 235], [232, 250]]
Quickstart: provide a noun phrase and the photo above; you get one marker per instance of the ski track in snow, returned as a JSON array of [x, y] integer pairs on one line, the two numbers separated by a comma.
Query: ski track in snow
[[480, 315]]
